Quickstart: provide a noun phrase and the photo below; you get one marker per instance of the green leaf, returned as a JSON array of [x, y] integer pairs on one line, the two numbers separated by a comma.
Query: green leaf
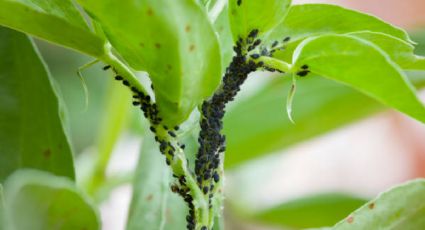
[[258, 124], [247, 15], [399, 208], [400, 52], [313, 211], [2, 208], [153, 205], [57, 21], [307, 20], [222, 27], [38, 200], [31, 132], [363, 66], [173, 41]]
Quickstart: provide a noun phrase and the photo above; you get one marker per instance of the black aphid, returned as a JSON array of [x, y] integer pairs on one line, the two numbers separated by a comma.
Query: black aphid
[[216, 177], [255, 56], [106, 67], [153, 129], [126, 83], [253, 33], [136, 103], [172, 133], [205, 190], [275, 43], [287, 39], [304, 67], [239, 2], [303, 73], [118, 78]]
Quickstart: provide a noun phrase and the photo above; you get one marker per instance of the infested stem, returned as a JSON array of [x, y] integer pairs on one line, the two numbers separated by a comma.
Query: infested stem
[[185, 184]]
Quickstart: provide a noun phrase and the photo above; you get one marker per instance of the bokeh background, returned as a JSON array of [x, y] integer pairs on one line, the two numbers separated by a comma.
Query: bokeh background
[[369, 151]]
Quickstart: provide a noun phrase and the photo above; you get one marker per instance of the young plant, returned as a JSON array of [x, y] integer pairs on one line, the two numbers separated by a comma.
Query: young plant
[[197, 55]]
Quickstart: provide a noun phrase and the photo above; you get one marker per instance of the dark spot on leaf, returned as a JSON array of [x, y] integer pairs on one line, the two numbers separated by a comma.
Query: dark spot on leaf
[[233, 12], [158, 46], [149, 197], [192, 47], [47, 153], [371, 205], [142, 44], [350, 219], [188, 28], [149, 12], [169, 67]]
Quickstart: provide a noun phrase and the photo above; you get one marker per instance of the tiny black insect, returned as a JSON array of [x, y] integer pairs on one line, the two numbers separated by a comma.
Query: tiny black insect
[[126, 83], [134, 89], [239, 2], [153, 129], [136, 103], [253, 33], [304, 67], [168, 161], [275, 43], [205, 190], [303, 73], [106, 67], [172, 133], [165, 127], [257, 42], [176, 128], [287, 39], [204, 228], [183, 146], [216, 177], [255, 56], [119, 78]]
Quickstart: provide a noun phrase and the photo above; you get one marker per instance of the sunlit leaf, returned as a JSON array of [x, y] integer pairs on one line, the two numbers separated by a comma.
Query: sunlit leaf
[[400, 52], [248, 15], [57, 21], [363, 66], [398, 208], [307, 20], [173, 41], [308, 212], [31, 132], [38, 200]]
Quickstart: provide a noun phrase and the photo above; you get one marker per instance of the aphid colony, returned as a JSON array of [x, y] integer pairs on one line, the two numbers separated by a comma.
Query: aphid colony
[[256, 50], [212, 142], [166, 147]]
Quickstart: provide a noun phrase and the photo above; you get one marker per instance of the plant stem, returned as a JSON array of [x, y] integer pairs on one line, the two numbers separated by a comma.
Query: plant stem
[[185, 184]]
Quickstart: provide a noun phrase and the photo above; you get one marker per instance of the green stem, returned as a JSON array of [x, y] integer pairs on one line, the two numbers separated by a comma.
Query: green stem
[[122, 69], [178, 163], [275, 64]]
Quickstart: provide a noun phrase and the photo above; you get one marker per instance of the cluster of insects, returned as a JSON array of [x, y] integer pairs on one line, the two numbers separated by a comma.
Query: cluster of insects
[[212, 144]]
